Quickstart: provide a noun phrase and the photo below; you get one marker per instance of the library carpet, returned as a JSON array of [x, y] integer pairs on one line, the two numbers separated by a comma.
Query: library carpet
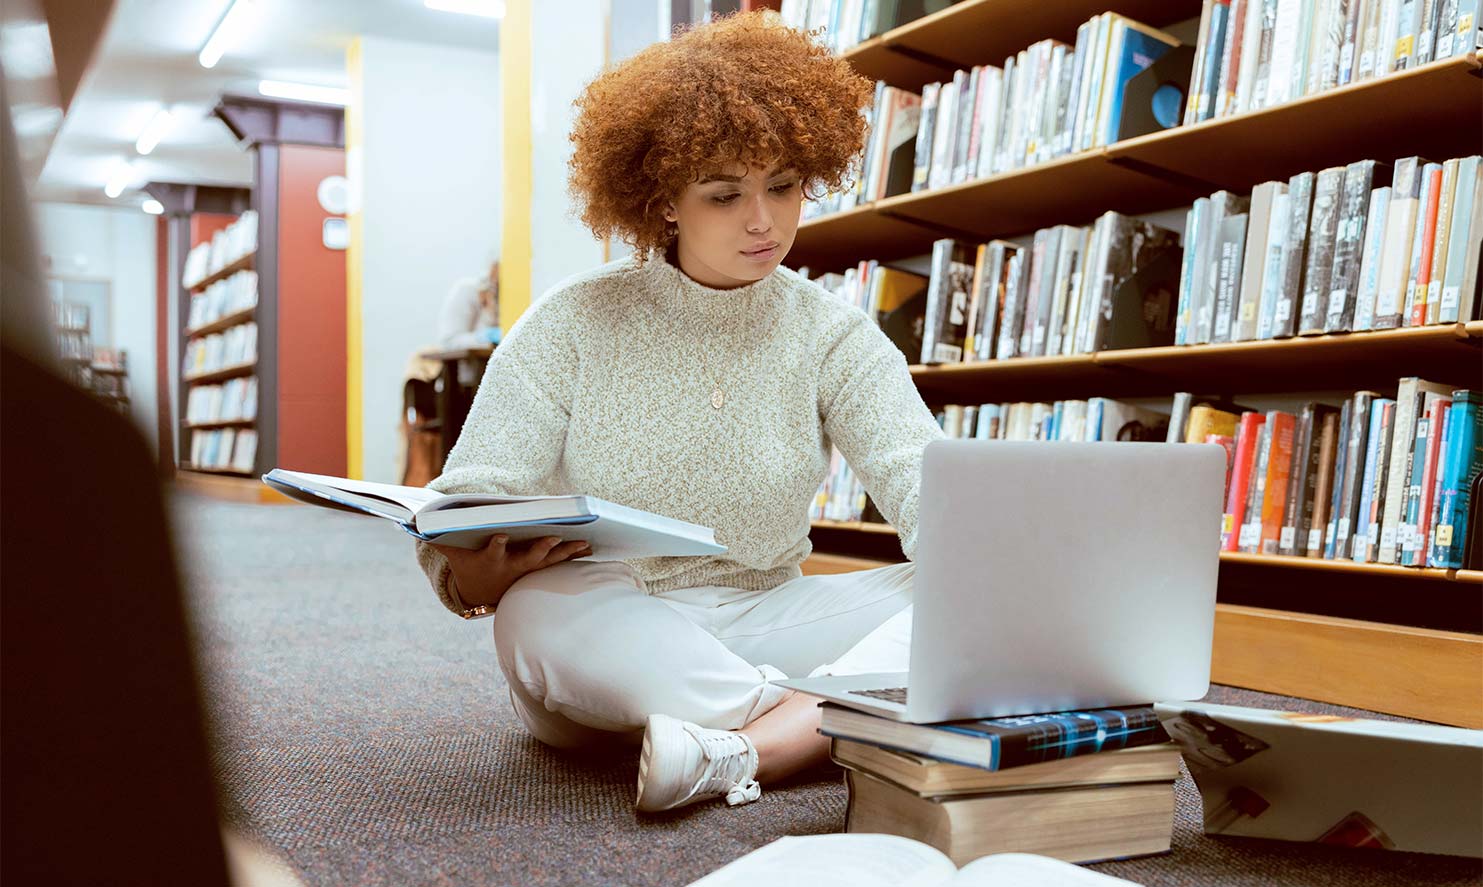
[[365, 735]]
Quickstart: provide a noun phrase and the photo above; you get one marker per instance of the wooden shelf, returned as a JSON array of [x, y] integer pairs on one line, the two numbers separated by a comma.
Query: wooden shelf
[[106, 370], [241, 264], [1230, 559], [1430, 111], [228, 372], [976, 32], [223, 322], [220, 423], [227, 471], [1342, 361], [1422, 111]]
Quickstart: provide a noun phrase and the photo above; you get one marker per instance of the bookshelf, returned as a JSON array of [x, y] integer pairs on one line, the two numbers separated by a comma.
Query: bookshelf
[[1301, 626]]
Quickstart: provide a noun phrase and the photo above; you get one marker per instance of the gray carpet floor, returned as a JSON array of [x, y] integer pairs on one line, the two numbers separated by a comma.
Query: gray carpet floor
[[365, 734]]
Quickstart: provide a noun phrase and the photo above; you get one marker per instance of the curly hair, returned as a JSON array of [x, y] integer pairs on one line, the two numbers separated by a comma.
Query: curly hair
[[742, 89]]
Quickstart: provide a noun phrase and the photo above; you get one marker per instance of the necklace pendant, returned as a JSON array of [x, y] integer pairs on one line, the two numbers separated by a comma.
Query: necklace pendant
[[717, 398]]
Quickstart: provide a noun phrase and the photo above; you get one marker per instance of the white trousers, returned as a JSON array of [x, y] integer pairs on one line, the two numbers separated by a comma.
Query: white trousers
[[589, 655]]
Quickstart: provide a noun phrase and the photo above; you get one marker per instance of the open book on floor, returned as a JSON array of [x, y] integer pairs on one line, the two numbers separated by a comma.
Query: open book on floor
[[890, 861], [468, 520]]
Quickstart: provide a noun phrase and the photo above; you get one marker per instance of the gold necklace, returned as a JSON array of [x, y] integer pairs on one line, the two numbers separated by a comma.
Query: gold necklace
[[718, 395]]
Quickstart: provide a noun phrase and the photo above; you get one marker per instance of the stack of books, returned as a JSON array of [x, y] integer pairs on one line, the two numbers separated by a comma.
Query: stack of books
[[1079, 786]]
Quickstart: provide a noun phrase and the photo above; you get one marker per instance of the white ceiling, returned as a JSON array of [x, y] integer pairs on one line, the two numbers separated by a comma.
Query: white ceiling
[[148, 58]]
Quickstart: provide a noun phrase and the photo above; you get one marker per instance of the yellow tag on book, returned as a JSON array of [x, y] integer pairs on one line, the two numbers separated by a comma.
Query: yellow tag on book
[[1465, 25], [1403, 46]]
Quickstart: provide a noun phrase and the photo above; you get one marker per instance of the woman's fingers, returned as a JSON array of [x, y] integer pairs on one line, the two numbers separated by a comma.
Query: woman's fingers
[[566, 551]]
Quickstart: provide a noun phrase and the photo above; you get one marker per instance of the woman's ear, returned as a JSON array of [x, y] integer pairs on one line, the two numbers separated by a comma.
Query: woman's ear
[[669, 213]]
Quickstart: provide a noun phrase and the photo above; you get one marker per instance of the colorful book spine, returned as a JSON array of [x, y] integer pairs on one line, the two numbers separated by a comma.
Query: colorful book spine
[[1246, 441], [1279, 471], [1418, 507], [1461, 464]]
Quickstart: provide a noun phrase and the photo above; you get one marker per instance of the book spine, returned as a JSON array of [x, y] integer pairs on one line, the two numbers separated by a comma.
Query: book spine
[[1462, 240], [1354, 467], [1399, 225], [1214, 55], [1228, 281], [1369, 269], [1251, 514], [926, 126], [1230, 59], [1348, 239], [1196, 253], [1341, 466], [1408, 400], [1179, 416], [1421, 261], [1014, 309], [1246, 442], [1279, 472], [1349, 49], [1300, 201], [1463, 462], [1406, 534], [1379, 490], [937, 296], [1426, 532], [1197, 74], [1249, 287], [1271, 272], [1038, 262], [1316, 512], [1299, 468], [1438, 269], [1353, 547], [1415, 554], [1321, 243]]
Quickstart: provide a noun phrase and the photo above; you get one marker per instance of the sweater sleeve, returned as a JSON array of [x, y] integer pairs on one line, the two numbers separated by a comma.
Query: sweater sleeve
[[512, 442], [872, 412]]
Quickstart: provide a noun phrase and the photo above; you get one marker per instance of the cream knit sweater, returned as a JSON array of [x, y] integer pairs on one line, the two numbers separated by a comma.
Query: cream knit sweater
[[604, 387]]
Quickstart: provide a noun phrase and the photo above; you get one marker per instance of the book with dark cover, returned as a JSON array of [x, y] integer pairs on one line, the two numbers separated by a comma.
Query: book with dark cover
[[1056, 241], [1299, 205], [1324, 546], [1322, 229], [1349, 238], [1042, 256], [1070, 278], [1321, 480], [1014, 305], [1231, 251], [926, 126], [987, 301], [947, 302], [1354, 467], [1133, 286], [1374, 508], [1001, 743], [1460, 464], [1316, 421], [901, 309]]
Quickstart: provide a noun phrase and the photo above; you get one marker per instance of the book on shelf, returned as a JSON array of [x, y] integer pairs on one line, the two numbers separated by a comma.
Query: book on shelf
[[468, 520], [882, 860], [947, 302], [1461, 463]]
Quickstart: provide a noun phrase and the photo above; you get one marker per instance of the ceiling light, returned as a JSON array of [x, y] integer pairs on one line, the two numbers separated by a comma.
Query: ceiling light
[[154, 131], [486, 8], [303, 92], [120, 180], [228, 30], [152, 206]]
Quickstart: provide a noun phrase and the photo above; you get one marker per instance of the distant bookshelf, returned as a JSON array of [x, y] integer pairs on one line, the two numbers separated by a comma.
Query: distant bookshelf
[[226, 372], [241, 263], [223, 323]]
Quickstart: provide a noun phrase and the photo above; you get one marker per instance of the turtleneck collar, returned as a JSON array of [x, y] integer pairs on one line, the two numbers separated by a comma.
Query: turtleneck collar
[[673, 289]]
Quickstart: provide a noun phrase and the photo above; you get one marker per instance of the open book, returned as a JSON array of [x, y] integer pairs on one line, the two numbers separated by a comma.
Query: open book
[[468, 520], [890, 861]]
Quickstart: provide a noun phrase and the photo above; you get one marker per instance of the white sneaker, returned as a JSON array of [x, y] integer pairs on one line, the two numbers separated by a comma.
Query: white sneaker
[[682, 763]]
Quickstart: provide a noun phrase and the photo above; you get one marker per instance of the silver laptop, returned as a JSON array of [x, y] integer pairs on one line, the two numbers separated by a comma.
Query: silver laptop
[[1053, 576]]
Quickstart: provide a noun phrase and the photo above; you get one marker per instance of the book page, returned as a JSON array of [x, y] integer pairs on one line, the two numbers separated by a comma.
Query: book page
[[1030, 870], [838, 860], [410, 498]]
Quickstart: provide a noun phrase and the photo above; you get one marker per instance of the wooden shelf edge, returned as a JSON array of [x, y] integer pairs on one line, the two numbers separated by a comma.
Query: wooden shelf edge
[[241, 263], [231, 472], [1265, 561], [1411, 672], [219, 423], [224, 322], [227, 372]]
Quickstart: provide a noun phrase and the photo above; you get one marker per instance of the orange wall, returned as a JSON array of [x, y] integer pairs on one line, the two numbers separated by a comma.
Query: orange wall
[[205, 225], [311, 317]]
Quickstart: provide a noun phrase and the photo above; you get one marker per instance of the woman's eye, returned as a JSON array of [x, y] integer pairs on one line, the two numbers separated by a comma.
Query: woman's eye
[[782, 189], [725, 199]]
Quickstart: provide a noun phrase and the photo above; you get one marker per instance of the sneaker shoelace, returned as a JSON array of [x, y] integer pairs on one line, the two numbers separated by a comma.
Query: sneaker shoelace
[[730, 759]]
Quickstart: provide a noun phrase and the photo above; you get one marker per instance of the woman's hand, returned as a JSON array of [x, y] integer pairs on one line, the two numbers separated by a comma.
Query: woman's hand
[[483, 576]]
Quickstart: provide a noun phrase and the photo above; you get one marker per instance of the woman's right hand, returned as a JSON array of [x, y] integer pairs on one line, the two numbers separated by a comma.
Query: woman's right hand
[[482, 576]]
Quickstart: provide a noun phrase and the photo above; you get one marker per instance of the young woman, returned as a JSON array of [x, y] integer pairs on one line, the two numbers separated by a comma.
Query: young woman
[[700, 380]]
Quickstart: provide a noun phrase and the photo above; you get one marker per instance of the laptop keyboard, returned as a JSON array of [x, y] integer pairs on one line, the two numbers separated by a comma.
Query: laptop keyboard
[[888, 694]]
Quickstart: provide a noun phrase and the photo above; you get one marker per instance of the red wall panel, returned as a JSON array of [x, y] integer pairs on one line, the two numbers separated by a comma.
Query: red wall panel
[[311, 317]]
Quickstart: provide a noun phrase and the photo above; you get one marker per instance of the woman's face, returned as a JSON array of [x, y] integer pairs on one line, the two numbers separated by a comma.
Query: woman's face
[[736, 224]]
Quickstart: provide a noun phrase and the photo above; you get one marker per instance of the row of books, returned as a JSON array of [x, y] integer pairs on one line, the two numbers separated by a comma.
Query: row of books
[[233, 400], [236, 293], [1029, 784], [1046, 101], [236, 346], [1253, 54], [1094, 419], [225, 247], [846, 23], [1376, 480], [1329, 252], [842, 497], [224, 448]]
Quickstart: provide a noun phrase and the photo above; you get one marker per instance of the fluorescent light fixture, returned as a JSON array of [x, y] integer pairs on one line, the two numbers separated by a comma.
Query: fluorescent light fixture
[[152, 206], [227, 32], [485, 8], [303, 92], [120, 180], [154, 131]]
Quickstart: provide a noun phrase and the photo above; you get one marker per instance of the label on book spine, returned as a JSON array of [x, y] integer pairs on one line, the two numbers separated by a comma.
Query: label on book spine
[[1288, 537], [1249, 534], [1336, 301], [1449, 300], [1387, 537], [1314, 538]]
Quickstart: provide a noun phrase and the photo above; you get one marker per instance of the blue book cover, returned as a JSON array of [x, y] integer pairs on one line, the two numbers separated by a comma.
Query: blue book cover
[[1359, 527], [1139, 52], [1209, 85], [1460, 463]]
